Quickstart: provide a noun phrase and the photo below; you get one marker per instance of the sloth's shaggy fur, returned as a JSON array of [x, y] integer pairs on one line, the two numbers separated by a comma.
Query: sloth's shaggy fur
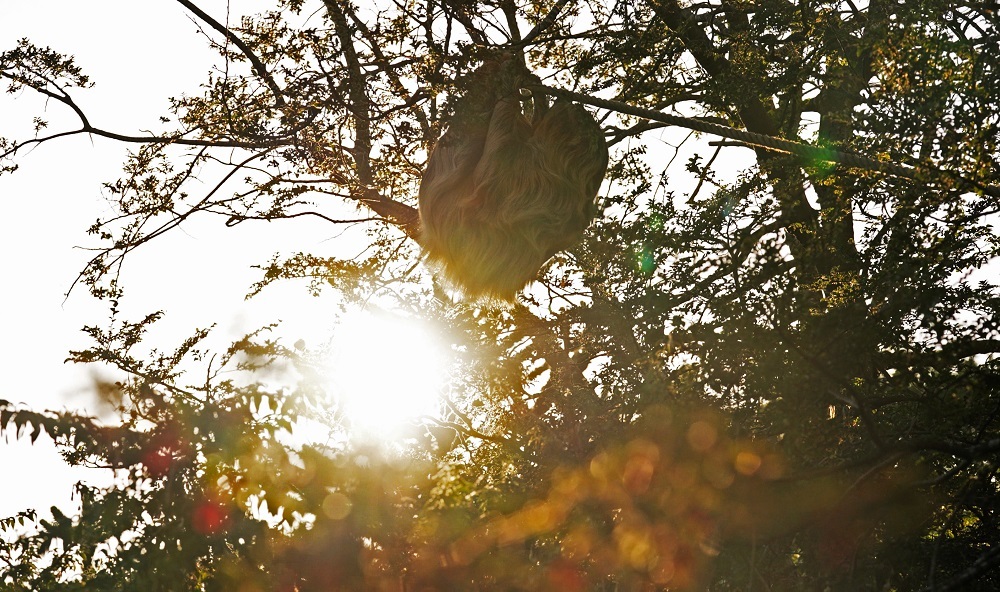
[[502, 194]]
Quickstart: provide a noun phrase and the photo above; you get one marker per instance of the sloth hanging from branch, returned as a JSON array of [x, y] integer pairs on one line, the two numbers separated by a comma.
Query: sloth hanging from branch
[[502, 193]]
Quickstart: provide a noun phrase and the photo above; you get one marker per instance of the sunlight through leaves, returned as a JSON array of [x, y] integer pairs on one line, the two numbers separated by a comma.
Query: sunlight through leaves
[[386, 372]]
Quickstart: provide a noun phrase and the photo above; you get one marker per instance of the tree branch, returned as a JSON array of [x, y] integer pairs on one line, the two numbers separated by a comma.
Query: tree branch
[[147, 140], [258, 65], [543, 24], [984, 563], [360, 106]]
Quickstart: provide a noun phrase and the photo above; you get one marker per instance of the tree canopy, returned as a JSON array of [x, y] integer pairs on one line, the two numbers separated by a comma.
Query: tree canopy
[[774, 376]]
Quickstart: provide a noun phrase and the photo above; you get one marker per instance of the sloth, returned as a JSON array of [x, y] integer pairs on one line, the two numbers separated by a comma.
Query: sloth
[[501, 193]]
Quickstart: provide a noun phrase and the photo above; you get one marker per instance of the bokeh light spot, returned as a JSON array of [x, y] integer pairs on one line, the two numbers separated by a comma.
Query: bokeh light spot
[[337, 506], [702, 435], [747, 463], [209, 517]]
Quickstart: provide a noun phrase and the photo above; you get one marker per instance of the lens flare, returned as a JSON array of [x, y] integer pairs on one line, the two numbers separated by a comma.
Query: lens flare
[[387, 371]]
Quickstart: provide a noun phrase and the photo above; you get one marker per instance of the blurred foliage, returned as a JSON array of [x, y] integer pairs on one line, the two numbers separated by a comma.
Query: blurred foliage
[[775, 378]]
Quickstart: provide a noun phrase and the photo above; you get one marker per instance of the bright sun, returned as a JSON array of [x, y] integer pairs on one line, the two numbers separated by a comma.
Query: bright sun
[[386, 372]]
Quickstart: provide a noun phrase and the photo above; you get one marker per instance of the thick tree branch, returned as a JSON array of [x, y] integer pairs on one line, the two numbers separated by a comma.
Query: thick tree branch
[[360, 105], [544, 24], [989, 560], [456, 13], [388, 68], [406, 217], [258, 65], [752, 111], [798, 215]]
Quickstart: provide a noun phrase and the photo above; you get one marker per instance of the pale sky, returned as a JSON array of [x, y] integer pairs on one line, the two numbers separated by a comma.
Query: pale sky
[[138, 54]]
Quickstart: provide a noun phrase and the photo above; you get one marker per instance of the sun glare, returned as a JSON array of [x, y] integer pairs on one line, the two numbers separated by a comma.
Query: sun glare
[[386, 372]]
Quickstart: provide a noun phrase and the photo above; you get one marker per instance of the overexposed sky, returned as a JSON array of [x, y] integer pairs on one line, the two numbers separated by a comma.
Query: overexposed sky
[[138, 54]]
